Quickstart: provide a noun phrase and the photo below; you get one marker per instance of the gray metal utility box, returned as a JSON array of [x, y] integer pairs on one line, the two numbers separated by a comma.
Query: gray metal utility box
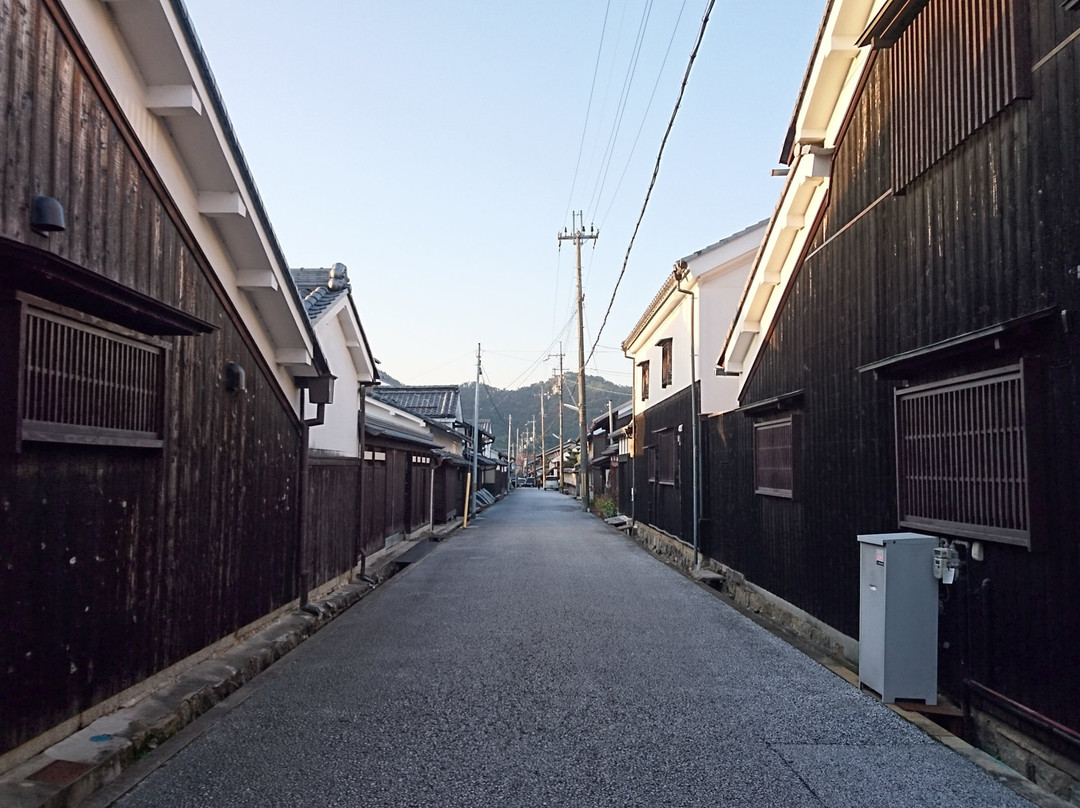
[[898, 616]]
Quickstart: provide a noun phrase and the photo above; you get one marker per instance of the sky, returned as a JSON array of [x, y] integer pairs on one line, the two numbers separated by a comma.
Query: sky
[[438, 148]]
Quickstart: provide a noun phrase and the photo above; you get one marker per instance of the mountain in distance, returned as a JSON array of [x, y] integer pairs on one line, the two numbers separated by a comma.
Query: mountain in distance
[[523, 406]]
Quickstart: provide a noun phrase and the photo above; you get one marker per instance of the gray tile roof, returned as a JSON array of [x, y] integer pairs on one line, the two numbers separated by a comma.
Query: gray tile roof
[[321, 288], [431, 402]]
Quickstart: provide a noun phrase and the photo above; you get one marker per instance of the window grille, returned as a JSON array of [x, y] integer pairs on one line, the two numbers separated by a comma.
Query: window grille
[[962, 457], [774, 457], [667, 451], [644, 366], [85, 384]]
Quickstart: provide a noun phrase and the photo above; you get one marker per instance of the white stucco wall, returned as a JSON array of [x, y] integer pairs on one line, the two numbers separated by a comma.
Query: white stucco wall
[[339, 432]]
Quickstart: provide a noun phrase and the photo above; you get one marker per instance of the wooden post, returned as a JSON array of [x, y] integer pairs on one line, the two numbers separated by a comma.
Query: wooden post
[[468, 488]]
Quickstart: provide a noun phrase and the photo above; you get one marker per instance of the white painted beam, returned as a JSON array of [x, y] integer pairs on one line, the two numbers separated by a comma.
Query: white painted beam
[[221, 203], [257, 279], [292, 356], [173, 100]]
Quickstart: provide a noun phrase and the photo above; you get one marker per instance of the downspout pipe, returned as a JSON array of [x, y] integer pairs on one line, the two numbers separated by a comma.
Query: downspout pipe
[[633, 438], [302, 573], [361, 426], [681, 271]]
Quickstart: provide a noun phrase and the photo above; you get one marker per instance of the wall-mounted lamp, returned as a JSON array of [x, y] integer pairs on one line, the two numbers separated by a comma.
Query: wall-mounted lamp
[[46, 216], [235, 378]]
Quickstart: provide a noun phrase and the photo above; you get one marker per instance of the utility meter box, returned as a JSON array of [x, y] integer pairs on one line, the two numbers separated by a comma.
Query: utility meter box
[[898, 616]]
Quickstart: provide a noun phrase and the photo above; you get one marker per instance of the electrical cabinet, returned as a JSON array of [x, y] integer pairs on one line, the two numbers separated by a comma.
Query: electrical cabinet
[[898, 616]]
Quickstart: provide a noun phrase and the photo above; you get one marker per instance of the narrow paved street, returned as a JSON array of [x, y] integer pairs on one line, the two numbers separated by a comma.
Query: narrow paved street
[[541, 658]]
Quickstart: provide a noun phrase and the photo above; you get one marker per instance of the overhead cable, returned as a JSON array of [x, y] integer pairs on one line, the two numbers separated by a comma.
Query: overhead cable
[[656, 170]]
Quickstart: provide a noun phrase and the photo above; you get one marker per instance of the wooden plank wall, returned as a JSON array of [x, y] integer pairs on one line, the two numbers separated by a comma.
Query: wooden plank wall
[[990, 232], [419, 510], [668, 507], [116, 563], [385, 499], [333, 518]]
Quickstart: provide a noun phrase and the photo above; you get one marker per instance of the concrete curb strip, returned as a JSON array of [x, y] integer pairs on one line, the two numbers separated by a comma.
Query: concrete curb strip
[[68, 772], [1008, 777]]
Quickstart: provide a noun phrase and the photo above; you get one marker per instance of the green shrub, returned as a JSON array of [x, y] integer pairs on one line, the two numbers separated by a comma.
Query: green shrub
[[605, 506]]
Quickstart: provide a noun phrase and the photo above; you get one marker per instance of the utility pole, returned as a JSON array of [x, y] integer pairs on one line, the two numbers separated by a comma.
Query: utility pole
[[577, 236], [562, 450], [559, 386], [510, 459], [476, 429], [543, 440]]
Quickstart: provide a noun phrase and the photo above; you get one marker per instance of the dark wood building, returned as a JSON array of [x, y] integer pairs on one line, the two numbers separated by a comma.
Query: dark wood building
[[152, 446], [909, 353]]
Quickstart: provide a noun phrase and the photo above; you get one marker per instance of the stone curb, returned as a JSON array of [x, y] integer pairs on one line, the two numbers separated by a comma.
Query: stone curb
[[70, 771], [1008, 777]]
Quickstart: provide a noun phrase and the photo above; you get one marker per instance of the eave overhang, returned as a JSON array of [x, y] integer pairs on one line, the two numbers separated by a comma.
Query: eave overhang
[[1001, 336], [151, 58], [829, 87]]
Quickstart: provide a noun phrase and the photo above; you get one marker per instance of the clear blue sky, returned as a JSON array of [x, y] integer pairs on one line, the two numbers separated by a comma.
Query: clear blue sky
[[431, 147]]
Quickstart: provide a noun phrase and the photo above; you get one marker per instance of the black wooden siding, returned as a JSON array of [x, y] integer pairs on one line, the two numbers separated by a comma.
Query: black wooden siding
[[990, 233], [116, 562], [662, 505], [332, 514]]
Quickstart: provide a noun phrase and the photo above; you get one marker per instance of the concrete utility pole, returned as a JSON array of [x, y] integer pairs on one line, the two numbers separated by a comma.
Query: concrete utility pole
[[543, 440], [476, 429], [577, 236], [562, 450]]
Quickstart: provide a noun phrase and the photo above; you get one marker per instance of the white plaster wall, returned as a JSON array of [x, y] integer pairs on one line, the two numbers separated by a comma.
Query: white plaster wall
[[720, 295], [339, 432], [677, 326]]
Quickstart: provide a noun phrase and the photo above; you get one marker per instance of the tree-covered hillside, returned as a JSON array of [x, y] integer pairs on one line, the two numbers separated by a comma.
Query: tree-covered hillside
[[523, 406]]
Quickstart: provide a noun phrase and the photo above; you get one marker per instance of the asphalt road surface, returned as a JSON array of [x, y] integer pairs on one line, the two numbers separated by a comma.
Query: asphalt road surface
[[540, 658]]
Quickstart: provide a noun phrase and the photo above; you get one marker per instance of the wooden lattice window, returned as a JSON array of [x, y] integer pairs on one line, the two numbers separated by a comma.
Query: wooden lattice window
[[665, 362], [964, 457], [644, 370], [666, 456], [83, 380], [957, 65], [775, 445]]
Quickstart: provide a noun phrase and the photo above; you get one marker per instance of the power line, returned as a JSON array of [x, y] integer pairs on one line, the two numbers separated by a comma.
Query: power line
[[628, 81], [645, 115], [656, 169], [588, 110]]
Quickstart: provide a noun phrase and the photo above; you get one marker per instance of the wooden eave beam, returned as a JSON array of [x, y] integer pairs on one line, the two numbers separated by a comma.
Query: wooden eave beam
[[890, 22], [904, 364], [52, 278], [780, 403]]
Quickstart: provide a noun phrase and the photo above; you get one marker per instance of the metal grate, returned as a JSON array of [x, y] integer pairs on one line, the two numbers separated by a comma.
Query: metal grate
[[85, 384], [962, 456], [774, 457], [953, 70], [666, 457]]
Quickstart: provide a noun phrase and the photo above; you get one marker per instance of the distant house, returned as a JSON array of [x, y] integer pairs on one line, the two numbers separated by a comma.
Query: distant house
[[605, 460], [400, 455], [696, 300], [327, 298], [440, 405], [908, 354], [157, 357], [334, 543]]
